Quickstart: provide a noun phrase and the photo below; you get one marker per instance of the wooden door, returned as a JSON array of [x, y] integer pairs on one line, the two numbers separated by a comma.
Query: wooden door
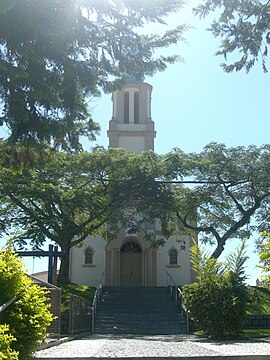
[[131, 269]]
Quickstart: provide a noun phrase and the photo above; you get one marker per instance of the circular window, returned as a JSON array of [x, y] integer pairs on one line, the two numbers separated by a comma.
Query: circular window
[[131, 246]]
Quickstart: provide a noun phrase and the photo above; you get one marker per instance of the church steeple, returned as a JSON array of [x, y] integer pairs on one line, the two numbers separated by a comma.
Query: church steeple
[[132, 127]]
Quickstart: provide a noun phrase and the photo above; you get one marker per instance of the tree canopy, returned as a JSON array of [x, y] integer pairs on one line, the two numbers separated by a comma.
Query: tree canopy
[[222, 193], [57, 54], [244, 28], [229, 192], [73, 196]]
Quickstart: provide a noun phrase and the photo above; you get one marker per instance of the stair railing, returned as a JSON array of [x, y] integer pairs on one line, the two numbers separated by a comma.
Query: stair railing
[[176, 292], [96, 301], [9, 302]]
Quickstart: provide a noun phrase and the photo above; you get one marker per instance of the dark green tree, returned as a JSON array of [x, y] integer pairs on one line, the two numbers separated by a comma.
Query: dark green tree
[[59, 53], [229, 193], [244, 28], [75, 195]]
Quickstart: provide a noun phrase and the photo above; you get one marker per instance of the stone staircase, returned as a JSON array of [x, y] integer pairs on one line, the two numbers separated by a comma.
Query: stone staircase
[[138, 310]]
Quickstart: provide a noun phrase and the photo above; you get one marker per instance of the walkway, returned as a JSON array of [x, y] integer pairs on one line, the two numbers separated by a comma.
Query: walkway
[[151, 347]]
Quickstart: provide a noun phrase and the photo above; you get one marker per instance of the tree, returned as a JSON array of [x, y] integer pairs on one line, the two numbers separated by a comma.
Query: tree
[[229, 190], [263, 248], [244, 27], [25, 321], [218, 301], [75, 195], [58, 54]]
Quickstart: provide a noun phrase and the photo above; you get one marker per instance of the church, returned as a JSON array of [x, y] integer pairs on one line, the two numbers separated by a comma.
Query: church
[[129, 260]]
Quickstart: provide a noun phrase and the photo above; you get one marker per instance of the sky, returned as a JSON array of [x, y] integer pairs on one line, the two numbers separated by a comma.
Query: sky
[[195, 103]]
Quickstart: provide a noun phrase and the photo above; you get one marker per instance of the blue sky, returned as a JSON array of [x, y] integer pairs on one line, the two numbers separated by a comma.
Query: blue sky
[[195, 102]]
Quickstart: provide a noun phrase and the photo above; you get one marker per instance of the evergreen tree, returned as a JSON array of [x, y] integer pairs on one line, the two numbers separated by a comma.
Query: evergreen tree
[[55, 54], [244, 28]]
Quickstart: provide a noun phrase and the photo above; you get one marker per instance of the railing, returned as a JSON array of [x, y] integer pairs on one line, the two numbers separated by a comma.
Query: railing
[[79, 315], [9, 302], [96, 301], [176, 292]]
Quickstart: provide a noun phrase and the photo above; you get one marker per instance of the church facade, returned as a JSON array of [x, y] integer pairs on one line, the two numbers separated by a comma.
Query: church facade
[[129, 260]]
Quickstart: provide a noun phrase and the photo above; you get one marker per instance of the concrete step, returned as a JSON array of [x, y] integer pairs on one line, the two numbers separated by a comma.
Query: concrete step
[[138, 310]]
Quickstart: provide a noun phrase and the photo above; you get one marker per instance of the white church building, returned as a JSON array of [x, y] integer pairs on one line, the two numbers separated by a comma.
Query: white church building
[[129, 260]]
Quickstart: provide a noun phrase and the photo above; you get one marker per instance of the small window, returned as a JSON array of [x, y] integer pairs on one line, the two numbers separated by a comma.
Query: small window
[[136, 108], [88, 256], [173, 257], [126, 108]]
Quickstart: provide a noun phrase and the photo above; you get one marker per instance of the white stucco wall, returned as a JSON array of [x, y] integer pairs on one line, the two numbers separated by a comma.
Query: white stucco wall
[[133, 144], [91, 274], [42, 275], [180, 273], [88, 274]]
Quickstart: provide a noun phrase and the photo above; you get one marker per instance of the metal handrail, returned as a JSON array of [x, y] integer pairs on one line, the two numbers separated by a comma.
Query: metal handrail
[[96, 301], [178, 295], [9, 302]]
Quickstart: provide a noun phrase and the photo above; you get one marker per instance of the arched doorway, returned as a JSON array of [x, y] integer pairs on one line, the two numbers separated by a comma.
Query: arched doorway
[[131, 264]]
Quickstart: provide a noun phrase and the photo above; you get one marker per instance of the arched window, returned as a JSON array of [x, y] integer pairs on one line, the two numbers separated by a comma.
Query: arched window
[[126, 108], [173, 256], [88, 256], [136, 107], [131, 246]]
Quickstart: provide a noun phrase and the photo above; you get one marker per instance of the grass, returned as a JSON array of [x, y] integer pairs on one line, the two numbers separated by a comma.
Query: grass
[[245, 334], [83, 291], [256, 333]]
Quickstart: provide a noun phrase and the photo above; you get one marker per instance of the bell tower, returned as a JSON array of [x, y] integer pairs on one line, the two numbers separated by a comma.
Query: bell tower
[[131, 126]]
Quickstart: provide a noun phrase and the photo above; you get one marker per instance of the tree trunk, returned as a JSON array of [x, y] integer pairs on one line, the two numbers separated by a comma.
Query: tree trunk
[[63, 277], [218, 250]]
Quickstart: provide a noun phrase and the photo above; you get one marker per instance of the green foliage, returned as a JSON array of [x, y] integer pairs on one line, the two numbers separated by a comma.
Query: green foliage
[[73, 195], [263, 248], [28, 317], [256, 333], [230, 188], [217, 302], [58, 54], [243, 26], [83, 291], [259, 300], [6, 353]]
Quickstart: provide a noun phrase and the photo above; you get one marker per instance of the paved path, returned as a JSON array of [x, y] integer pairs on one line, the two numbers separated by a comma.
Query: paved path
[[152, 347]]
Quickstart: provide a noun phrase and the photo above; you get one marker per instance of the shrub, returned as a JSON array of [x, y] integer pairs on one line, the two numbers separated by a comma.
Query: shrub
[[28, 317], [259, 300], [218, 301], [6, 353]]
